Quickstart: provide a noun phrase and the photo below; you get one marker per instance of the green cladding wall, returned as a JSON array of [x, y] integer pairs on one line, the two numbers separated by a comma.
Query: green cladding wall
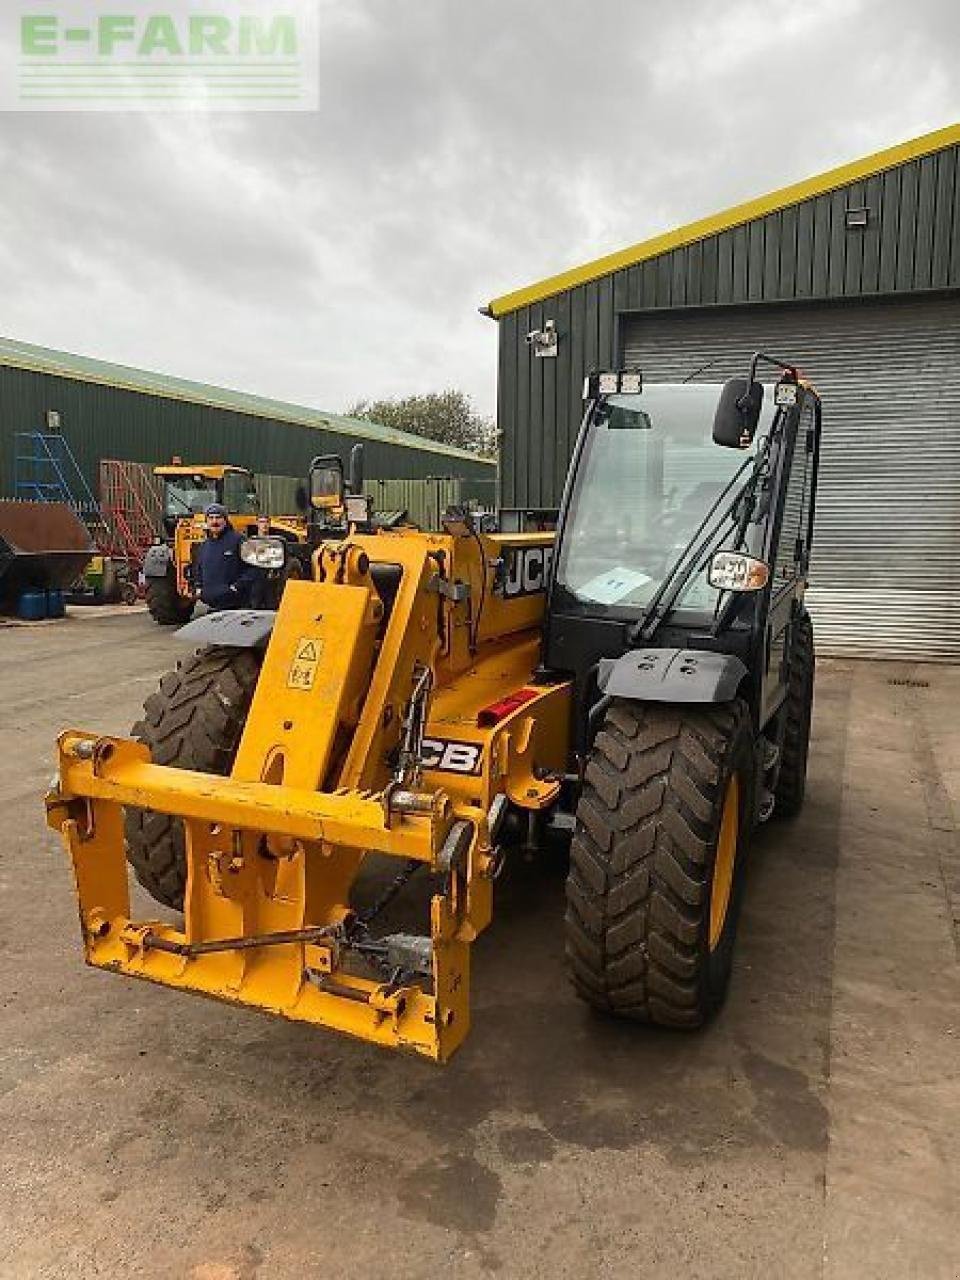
[[104, 421], [802, 253]]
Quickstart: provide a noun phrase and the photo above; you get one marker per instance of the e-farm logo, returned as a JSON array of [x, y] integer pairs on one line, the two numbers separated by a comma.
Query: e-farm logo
[[80, 55]]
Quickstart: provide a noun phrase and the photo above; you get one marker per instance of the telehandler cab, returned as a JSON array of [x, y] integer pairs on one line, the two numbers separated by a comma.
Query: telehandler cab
[[642, 679], [187, 492]]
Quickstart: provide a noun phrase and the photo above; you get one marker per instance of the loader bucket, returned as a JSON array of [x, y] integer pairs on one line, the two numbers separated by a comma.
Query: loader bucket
[[42, 545]]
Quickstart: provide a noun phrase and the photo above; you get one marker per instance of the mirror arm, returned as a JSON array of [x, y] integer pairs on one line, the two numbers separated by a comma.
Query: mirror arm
[[773, 360]]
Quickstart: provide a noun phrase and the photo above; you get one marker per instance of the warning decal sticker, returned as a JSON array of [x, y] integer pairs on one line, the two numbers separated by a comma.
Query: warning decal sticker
[[306, 659]]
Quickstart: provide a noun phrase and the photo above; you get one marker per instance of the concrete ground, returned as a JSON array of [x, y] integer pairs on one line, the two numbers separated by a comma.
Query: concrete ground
[[813, 1130]]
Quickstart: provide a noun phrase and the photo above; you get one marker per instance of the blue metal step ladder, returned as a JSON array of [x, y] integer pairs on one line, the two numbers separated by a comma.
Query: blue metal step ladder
[[46, 471]]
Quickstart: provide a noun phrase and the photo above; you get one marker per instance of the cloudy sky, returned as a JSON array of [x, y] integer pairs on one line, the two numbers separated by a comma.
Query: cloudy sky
[[461, 148]]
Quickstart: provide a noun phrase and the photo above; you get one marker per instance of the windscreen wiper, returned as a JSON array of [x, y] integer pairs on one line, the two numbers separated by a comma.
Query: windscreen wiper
[[186, 506], [690, 559]]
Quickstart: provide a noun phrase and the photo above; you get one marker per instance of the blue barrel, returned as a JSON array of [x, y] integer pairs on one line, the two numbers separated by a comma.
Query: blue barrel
[[56, 606], [32, 606]]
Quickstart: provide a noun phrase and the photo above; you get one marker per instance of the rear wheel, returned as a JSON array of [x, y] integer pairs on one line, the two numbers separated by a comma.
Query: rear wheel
[[792, 779], [657, 858], [193, 721], [167, 607]]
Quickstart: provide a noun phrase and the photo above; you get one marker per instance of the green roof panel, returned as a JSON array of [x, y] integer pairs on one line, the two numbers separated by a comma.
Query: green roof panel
[[63, 364]]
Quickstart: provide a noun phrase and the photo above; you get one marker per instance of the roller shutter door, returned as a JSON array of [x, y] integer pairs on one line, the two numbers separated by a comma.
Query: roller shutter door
[[885, 577]]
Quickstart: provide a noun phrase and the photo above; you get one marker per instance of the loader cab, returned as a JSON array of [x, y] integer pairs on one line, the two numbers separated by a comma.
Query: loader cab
[[188, 491], [633, 560], [646, 474]]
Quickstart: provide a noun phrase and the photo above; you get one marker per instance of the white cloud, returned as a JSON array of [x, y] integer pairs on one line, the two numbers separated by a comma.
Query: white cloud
[[459, 151]]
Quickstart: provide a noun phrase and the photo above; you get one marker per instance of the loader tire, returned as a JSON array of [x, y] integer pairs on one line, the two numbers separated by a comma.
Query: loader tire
[[193, 721], [167, 607], [792, 779], [657, 859]]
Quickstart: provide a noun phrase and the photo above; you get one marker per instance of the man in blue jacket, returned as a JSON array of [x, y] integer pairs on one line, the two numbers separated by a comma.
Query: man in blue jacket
[[221, 578]]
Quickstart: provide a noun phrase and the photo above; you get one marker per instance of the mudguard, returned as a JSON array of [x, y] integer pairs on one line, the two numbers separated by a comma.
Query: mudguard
[[157, 561], [230, 628], [671, 675]]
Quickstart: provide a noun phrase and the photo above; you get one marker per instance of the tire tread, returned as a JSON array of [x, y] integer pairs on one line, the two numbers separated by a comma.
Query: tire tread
[[641, 855], [791, 781], [166, 607], [193, 721]]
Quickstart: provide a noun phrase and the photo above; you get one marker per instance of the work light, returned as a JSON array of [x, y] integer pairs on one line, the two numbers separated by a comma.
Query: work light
[[626, 382], [734, 571], [264, 553]]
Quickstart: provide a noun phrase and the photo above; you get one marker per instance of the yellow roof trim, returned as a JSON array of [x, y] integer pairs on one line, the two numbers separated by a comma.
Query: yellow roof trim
[[216, 472], [739, 214]]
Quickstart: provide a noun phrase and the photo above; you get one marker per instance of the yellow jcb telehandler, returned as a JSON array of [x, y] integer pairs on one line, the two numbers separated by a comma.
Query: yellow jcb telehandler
[[643, 682], [187, 492]]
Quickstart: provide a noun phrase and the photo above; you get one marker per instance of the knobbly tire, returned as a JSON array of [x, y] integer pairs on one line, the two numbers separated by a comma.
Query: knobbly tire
[[651, 915], [792, 779], [193, 721], [167, 608]]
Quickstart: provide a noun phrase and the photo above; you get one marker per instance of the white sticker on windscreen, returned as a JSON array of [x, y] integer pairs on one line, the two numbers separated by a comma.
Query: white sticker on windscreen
[[613, 585]]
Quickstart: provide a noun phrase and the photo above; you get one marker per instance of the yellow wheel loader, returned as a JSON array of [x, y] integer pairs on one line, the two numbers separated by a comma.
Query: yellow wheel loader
[[641, 681], [187, 492]]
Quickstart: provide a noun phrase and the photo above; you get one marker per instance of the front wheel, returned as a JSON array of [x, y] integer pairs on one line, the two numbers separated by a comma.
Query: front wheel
[[167, 607], [193, 721], [798, 709], [657, 860]]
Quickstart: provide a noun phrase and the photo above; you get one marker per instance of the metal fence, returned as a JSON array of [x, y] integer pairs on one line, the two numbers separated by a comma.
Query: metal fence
[[277, 494], [423, 500], [124, 484]]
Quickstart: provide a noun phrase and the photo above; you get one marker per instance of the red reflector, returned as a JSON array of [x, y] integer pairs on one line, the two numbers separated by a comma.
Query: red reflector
[[498, 711]]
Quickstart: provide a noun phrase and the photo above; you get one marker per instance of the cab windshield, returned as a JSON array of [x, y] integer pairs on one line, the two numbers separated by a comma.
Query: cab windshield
[[648, 474], [188, 495], [239, 494]]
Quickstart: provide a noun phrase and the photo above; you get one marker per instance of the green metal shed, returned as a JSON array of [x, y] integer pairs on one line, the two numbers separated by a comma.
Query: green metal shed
[[855, 275], [112, 411]]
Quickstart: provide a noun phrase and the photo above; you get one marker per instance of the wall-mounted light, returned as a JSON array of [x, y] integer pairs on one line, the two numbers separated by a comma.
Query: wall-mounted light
[[544, 341], [856, 219]]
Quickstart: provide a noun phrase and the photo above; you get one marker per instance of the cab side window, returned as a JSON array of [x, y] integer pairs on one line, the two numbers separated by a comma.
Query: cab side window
[[239, 495]]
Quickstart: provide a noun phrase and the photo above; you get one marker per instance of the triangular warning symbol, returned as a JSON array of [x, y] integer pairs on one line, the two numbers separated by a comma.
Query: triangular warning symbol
[[307, 652]]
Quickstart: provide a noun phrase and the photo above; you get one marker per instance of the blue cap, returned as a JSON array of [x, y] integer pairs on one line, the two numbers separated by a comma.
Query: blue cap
[[215, 509]]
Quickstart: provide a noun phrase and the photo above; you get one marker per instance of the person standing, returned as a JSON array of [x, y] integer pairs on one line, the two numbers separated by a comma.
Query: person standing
[[264, 589], [221, 578]]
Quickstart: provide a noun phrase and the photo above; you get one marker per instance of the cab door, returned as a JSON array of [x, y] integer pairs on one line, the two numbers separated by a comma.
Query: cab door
[[790, 556]]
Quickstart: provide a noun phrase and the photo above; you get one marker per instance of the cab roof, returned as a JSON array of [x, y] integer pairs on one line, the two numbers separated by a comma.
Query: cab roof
[[208, 472]]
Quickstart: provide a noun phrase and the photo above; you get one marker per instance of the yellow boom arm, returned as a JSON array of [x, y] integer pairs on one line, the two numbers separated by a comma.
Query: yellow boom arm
[[378, 724]]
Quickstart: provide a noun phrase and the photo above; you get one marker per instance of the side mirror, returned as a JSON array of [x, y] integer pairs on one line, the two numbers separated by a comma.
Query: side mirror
[[326, 483], [737, 413], [301, 499]]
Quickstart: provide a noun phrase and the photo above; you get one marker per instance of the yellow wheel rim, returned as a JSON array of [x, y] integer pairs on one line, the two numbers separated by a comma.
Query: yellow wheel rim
[[725, 861]]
